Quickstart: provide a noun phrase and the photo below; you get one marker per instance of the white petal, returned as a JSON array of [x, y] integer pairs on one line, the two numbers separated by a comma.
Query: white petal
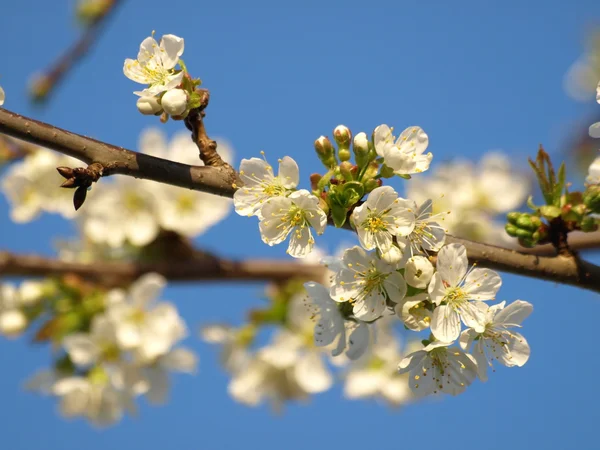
[[289, 172], [312, 374], [452, 263], [81, 349], [595, 130], [445, 323], [180, 360], [173, 48], [358, 342], [411, 361], [301, 242], [482, 284], [515, 313]]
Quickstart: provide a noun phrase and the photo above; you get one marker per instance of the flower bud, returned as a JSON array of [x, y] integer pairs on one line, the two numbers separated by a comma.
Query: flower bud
[[386, 172], [361, 149], [346, 170], [591, 198], [371, 184], [314, 181], [174, 102], [418, 272], [12, 322], [149, 106], [342, 136], [588, 224], [325, 151]]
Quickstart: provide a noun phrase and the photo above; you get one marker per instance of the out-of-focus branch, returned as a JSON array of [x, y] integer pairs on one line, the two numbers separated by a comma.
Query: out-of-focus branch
[[46, 81], [203, 267], [220, 180]]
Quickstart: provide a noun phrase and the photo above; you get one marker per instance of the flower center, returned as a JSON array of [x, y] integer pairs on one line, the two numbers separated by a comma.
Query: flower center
[[296, 217], [273, 190], [374, 224], [455, 297]]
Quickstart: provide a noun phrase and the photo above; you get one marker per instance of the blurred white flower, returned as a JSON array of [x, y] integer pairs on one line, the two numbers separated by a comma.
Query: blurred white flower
[[2, 96], [594, 172], [13, 320], [142, 325], [33, 185], [474, 198], [376, 374], [234, 353]]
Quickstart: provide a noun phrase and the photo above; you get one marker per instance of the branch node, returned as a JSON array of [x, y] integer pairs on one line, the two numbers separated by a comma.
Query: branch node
[[80, 179]]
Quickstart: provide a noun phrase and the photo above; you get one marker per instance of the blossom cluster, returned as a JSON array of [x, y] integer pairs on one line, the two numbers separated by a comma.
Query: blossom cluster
[[122, 211], [391, 271], [120, 345]]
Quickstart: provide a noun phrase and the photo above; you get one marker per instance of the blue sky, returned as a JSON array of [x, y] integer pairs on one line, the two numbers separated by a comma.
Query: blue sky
[[475, 75]]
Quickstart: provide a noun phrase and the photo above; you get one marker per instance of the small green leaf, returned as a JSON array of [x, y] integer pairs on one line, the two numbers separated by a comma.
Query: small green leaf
[[338, 214], [550, 211]]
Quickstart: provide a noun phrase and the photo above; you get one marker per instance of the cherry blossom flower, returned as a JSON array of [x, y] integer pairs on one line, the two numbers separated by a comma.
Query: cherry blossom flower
[[2, 96], [414, 312], [405, 156], [453, 289], [148, 328], [367, 282], [375, 375], [497, 341], [438, 368], [295, 215], [427, 235], [33, 185], [380, 218], [261, 185], [155, 65]]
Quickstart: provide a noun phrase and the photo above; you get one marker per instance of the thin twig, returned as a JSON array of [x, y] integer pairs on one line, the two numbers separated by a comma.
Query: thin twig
[[46, 82]]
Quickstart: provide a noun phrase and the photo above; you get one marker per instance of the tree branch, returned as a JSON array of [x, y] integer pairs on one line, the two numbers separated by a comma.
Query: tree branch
[[45, 83], [219, 180], [201, 268]]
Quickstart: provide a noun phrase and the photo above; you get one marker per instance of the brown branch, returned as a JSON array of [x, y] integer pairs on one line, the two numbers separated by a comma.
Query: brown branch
[[45, 83], [200, 268], [219, 180]]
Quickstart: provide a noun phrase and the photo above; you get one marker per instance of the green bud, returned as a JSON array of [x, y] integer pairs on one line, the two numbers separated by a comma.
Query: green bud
[[344, 154], [591, 198], [346, 170], [526, 223], [512, 217], [325, 151], [524, 234], [511, 229], [588, 224], [371, 184]]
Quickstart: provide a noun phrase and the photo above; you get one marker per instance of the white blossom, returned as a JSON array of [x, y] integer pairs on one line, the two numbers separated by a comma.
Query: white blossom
[[453, 289], [405, 155], [367, 282], [295, 215], [418, 272], [187, 212], [12, 320], [87, 349], [234, 353], [376, 373], [155, 65], [426, 236], [594, 172], [382, 217], [2, 96], [93, 397], [122, 211], [33, 185], [148, 328], [438, 368], [413, 311], [594, 130], [497, 341], [261, 185], [174, 102]]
